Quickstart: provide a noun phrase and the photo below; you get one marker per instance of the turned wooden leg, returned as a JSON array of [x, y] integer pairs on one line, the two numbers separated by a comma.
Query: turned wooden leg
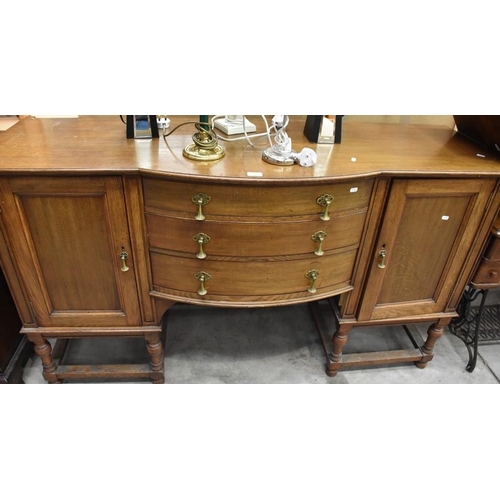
[[155, 350], [335, 357], [433, 333], [44, 351]]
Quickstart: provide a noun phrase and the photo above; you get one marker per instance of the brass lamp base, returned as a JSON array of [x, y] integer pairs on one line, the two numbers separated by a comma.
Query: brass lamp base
[[204, 147], [195, 152]]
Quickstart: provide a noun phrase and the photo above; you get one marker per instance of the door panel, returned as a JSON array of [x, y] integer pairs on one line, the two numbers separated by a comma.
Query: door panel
[[56, 226], [425, 222], [68, 234]]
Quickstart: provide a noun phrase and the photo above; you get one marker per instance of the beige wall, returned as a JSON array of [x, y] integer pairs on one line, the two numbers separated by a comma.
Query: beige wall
[[446, 120]]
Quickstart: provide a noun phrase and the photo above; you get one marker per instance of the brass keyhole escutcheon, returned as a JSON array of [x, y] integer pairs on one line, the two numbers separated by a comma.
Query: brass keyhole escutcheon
[[201, 239], [200, 199], [325, 200], [312, 275], [319, 237], [202, 277], [124, 257], [382, 255]]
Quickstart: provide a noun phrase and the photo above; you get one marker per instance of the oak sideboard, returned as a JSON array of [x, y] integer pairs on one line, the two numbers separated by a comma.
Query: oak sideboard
[[101, 234]]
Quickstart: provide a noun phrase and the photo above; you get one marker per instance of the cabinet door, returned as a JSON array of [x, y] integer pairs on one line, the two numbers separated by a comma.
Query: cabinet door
[[426, 233], [67, 235]]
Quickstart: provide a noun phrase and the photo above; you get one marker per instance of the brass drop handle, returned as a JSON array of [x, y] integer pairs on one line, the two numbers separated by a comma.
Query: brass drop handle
[[201, 239], [382, 255], [325, 200], [200, 199], [202, 277], [312, 275], [319, 237], [124, 257]]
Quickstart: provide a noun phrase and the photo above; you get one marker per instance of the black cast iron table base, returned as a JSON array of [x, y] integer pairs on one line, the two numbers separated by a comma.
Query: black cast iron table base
[[476, 324]]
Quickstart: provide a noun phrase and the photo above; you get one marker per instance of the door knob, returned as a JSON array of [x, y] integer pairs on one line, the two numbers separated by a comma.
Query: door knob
[[382, 255], [124, 257]]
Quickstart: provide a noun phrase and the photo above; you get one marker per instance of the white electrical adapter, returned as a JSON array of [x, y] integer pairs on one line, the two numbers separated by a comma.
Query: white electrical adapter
[[234, 124], [278, 120], [307, 157], [163, 122]]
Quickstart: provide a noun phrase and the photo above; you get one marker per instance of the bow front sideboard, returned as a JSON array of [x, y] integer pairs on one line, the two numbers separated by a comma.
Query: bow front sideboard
[[101, 234]]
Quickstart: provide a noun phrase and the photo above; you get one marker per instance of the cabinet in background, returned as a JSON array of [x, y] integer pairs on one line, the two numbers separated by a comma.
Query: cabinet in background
[[15, 349]]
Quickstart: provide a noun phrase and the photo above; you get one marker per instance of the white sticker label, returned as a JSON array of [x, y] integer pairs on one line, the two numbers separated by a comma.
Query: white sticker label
[[445, 217], [254, 174], [353, 190]]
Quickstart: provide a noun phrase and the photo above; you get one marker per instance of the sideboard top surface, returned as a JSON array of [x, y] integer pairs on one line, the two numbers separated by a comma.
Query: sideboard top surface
[[98, 144]]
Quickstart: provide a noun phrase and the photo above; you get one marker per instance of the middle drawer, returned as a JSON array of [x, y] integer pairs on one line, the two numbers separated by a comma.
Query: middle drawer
[[254, 239]]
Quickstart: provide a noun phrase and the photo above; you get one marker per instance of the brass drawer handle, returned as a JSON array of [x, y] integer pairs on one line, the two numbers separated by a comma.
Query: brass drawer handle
[[312, 275], [319, 237], [200, 199], [325, 200], [124, 257], [201, 239], [382, 255], [202, 277]]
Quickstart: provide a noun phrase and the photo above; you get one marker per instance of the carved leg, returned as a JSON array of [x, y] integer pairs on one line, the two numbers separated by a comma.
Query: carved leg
[[335, 357], [44, 351], [433, 333], [155, 350]]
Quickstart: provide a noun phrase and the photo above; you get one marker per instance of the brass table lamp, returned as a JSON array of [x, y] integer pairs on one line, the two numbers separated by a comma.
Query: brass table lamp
[[205, 146]]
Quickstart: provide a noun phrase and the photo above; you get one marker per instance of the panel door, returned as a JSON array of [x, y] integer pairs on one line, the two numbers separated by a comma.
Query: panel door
[[67, 237], [426, 234]]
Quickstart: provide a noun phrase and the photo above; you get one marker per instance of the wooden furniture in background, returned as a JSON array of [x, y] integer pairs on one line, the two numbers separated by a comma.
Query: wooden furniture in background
[[105, 234], [485, 130], [15, 350], [480, 324]]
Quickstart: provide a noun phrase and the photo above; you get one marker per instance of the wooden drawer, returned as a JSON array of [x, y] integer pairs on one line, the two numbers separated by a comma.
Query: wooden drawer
[[245, 281], [493, 250], [487, 274], [230, 200], [240, 239]]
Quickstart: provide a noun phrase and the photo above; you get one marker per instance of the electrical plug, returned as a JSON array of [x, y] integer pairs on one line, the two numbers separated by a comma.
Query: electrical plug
[[278, 120], [163, 122], [306, 158]]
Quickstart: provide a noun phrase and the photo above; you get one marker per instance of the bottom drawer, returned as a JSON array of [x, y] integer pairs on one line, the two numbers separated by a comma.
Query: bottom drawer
[[250, 280]]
